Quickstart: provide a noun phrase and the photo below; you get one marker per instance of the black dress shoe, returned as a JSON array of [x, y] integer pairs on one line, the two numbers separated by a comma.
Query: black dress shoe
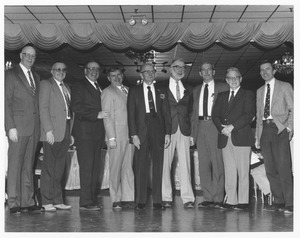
[[24, 209], [90, 207], [140, 206], [159, 206], [242, 206], [117, 205], [35, 209], [275, 207], [227, 206], [206, 204], [167, 204], [127, 204], [15, 211]]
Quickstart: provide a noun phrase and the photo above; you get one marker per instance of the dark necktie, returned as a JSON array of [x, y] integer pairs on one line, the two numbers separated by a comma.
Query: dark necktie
[[230, 101], [205, 101], [32, 86], [267, 103], [97, 86], [124, 90], [177, 91], [67, 98], [151, 101]]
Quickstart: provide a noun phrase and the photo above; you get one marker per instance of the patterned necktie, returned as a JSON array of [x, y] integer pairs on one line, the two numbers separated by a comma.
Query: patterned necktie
[[97, 86], [67, 98], [205, 101], [230, 101], [124, 90], [151, 101], [177, 91], [267, 103], [32, 86]]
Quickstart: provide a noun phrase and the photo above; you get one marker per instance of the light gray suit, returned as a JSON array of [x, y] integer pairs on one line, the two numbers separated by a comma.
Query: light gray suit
[[121, 179]]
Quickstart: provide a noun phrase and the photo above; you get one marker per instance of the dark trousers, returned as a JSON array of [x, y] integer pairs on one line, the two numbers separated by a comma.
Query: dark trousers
[[89, 159], [21, 154], [53, 167], [152, 149], [275, 149]]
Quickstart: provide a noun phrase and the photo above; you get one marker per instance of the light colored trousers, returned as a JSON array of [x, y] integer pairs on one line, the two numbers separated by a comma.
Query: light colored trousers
[[121, 177], [182, 144], [236, 165]]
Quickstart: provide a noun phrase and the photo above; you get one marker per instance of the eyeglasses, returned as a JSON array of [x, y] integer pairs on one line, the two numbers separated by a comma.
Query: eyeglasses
[[29, 56], [149, 71], [60, 70], [178, 67], [233, 78], [94, 69]]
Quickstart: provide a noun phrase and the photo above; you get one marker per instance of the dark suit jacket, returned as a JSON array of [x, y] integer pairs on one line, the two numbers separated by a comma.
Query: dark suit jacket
[[86, 104], [137, 113], [181, 111], [219, 87], [52, 110], [241, 114], [21, 107]]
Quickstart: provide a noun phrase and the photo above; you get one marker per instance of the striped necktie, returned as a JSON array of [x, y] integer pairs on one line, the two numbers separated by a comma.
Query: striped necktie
[[32, 86]]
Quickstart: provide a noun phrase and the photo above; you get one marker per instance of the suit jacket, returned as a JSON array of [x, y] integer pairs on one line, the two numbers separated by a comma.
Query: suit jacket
[[86, 104], [115, 102], [21, 107], [282, 107], [52, 110], [137, 113], [181, 111], [219, 87], [240, 115]]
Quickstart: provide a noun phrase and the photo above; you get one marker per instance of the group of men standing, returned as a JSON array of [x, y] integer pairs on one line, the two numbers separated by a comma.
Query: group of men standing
[[144, 125]]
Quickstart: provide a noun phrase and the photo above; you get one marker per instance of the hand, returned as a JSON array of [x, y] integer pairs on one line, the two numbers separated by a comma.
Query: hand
[[50, 137], [227, 129], [112, 144], [136, 141], [72, 140], [257, 144], [291, 134], [13, 134], [192, 141], [103, 114], [167, 141]]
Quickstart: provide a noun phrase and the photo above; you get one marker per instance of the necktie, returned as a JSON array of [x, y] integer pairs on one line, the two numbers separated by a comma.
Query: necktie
[[205, 101], [97, 86], [124, 90], [230, 101], [151, 101], [267, 103], [67, 98], [32, 86], [177, 92]]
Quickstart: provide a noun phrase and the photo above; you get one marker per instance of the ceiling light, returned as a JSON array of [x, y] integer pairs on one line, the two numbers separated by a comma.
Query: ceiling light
[[285, 65], [144, 21], [131, 21]]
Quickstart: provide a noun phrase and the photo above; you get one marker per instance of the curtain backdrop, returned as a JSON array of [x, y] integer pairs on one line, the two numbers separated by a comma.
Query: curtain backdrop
[[160, 36]]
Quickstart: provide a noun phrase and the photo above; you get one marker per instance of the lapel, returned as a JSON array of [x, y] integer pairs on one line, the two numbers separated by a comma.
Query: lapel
[[57, 92], [276, 92], [141, 98], [157, 98], [91, 88], [23, 79], [237, 97]]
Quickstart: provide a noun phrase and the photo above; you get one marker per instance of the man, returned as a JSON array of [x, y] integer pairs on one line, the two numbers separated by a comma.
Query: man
[[205, 135], [121, 178], [55, 115], [150, 128], [88, 132], [22, 128], [232, 114], [181, 104], [274, 130]]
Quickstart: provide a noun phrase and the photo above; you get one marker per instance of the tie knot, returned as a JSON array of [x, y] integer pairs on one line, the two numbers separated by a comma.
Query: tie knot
[[206, 85], [232, 93], [61, 84], [149, 88], [268, 85]]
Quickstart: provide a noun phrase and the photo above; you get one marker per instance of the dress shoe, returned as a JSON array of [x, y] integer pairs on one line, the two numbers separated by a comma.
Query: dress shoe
[[62, 207], [242, 206], [167, 204], [49, 208], [289, 210], [158, 206], [117, 206], [275, 207], [35, 209], [90, 207], [127, 204], [140, 206], [217, 204], [206, 204], [24, 209], [15, 211], [227, 206], [189, 205]]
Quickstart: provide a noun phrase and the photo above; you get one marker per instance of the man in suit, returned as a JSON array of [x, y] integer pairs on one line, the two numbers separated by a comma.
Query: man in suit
[[88, 132], [149, 124], [22, 127], [120, 151], [55, 115], [232, 114], [205, 135], [181, 104], [274, 130]]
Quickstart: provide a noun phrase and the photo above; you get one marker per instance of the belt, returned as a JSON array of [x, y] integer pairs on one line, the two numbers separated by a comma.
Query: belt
[[203, 118], [268, 121]]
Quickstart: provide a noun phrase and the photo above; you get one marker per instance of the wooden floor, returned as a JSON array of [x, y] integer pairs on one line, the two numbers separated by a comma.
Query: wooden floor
[[177, 219]]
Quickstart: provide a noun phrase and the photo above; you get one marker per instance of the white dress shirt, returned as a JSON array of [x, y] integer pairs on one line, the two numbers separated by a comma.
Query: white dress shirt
[[172, 87], [146, 96]]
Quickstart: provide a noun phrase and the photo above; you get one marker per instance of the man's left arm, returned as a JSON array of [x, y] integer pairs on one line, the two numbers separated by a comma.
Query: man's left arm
[[289, 98]]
